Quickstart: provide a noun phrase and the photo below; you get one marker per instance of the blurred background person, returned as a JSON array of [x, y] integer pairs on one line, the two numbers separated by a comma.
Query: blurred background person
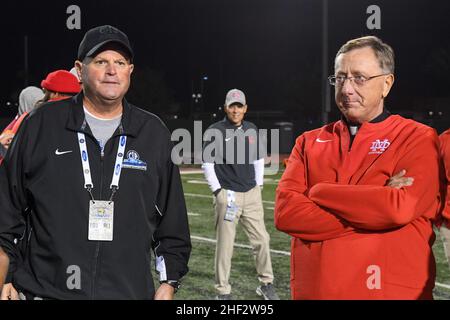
[[237, 187], [28, 99], [58, 85]]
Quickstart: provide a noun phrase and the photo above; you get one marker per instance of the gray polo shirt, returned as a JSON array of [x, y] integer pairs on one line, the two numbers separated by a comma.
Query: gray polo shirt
[[233, 150], [102, 129]]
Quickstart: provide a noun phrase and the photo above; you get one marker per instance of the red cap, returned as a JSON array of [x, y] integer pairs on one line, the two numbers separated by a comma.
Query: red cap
[[61, 81]]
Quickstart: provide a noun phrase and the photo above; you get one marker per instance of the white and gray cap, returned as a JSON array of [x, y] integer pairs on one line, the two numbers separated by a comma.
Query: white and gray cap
[[235, 96]]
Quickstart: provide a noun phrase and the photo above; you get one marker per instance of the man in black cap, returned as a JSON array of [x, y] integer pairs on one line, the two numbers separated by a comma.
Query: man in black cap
[[90, 189]]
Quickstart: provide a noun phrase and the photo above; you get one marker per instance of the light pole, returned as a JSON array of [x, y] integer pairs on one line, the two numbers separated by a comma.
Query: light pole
[[202, 91], [196, 97], [25, 59], [325, 86]]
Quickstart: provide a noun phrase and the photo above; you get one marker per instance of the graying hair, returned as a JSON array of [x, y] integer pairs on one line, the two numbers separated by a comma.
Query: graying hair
[[383, 51]]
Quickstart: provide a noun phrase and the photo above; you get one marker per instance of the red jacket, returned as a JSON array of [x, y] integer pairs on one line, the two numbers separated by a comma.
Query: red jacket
[[445, 154], [354, 237], [13, 127]]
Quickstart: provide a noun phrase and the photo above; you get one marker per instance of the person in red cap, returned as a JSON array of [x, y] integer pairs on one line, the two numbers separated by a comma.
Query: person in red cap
[[60, 84]]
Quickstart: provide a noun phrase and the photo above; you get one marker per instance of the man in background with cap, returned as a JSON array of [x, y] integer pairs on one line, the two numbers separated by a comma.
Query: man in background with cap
[[235, 173], [89, 185]]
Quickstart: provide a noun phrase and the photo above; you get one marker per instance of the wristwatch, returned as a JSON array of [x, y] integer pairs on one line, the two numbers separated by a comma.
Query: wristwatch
[[173, 283]]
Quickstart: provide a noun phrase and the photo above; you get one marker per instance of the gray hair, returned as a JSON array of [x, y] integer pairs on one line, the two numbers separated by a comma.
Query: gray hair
[[28, 99], [383, 51]]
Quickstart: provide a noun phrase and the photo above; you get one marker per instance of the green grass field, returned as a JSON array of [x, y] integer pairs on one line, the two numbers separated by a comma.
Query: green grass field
[[198, 284]]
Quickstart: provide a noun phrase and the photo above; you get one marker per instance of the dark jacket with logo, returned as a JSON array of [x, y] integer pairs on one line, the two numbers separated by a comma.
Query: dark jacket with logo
[[44, 203]]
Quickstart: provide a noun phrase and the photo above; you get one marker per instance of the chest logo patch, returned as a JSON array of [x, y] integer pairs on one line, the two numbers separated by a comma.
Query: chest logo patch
[[379, 146], [132, 161]]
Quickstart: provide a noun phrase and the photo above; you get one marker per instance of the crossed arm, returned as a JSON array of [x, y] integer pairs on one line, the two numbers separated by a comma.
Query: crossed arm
[[295, 213], [330, 210], [375, 207]]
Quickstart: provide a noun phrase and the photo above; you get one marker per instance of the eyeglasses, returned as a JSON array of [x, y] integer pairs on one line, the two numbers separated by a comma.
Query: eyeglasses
[[338, 81]]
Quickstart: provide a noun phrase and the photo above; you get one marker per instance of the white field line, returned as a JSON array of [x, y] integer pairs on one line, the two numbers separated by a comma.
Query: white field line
[[210, 197], [238, 245], [194, 171], [197, 171], [206, 182], [446, 286], [199, 214], [203, 181], [193, 214], [197, 181]]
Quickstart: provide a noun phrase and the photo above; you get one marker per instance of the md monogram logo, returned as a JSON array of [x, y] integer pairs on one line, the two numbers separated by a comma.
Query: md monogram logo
[[378, 146]]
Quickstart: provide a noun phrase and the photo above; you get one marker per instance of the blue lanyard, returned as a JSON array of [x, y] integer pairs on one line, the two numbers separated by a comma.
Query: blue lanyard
[[87, 170]]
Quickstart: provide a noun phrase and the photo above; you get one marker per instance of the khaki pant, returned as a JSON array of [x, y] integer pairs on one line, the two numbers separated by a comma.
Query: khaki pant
[[251, 216]]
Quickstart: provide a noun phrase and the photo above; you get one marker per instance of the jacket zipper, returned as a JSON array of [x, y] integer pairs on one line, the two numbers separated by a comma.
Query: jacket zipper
[[97, 249]]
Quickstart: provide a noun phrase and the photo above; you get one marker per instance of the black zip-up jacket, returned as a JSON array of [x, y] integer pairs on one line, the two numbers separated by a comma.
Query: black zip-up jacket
[[44, 203]]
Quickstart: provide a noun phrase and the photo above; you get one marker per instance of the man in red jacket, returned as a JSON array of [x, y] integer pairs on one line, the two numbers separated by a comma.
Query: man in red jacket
[[445, 153], [359, 195], [444, 139]]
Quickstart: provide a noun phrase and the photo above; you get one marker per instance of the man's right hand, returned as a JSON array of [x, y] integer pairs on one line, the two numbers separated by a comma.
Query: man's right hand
[[9, 292], [399, 180]]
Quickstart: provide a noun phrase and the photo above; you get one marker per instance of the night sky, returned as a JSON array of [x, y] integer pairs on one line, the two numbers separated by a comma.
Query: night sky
[[269, 49]]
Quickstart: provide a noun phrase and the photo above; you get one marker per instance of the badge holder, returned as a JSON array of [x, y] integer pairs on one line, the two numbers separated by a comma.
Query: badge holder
[[232, 208]]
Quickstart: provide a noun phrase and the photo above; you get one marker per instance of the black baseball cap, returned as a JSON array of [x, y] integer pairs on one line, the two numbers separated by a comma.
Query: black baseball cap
[[97, 37]]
